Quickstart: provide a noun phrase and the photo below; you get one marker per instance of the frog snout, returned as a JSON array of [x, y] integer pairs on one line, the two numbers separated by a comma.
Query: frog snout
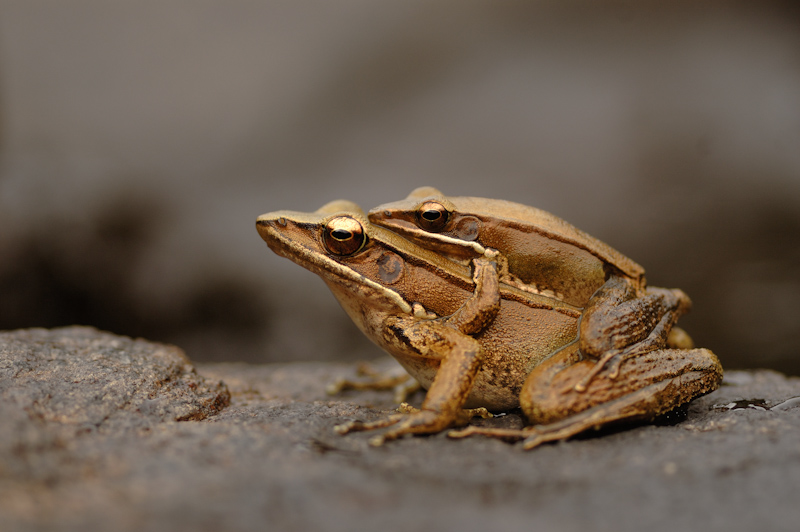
[[269, 220], [266, 226]]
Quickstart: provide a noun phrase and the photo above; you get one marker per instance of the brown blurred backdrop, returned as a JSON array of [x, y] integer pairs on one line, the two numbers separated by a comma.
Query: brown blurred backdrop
[[140, 140]]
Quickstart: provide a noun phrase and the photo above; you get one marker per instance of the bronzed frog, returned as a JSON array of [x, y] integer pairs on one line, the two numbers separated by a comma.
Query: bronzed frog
[[473, 340], [546, 255]]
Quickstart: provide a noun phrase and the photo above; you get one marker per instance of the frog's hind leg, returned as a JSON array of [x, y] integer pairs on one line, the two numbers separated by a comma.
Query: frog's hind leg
[[618, 325], [648, 386]]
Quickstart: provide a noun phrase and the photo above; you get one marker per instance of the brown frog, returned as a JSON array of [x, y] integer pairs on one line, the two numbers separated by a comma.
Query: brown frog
[[548, 256], [472, 340]]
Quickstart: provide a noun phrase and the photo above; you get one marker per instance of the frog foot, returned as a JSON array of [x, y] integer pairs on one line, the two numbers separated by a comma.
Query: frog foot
[[402, 384], [503, 434], [541, 434], [411, 420], [531, 436], [408, 420]]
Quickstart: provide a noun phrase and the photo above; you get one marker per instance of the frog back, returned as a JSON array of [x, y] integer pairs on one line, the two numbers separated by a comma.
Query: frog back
[[545, 250]]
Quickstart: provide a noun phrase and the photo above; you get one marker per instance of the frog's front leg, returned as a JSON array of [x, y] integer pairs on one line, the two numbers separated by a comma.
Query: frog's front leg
[[449, 341], [619, 324], [480, 309], [460, 357]]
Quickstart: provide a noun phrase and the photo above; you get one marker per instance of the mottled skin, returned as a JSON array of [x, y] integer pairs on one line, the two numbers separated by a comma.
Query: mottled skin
[[472, 340]]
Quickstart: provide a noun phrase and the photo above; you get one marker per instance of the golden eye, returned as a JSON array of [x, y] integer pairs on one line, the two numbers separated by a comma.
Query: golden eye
[[343, 236], [432, 216]]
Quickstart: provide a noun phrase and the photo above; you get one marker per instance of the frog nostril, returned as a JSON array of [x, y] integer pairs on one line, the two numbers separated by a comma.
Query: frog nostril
[[271, 222]]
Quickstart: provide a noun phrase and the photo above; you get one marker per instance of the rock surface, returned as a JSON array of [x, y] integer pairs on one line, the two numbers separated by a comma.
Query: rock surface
[[100, 432]]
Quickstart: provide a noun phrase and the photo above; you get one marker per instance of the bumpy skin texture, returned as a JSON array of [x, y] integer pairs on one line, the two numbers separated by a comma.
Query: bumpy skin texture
[[474, 335]]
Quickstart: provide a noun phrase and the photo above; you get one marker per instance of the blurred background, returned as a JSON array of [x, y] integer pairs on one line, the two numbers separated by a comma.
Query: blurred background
[[140, 140]]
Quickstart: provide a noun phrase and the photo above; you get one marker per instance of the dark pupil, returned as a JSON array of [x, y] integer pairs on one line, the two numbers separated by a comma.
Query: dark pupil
[[341, 234], [431, 215]]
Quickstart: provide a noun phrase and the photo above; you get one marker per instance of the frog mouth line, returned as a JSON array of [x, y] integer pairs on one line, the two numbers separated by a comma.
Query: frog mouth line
[[317, 262]]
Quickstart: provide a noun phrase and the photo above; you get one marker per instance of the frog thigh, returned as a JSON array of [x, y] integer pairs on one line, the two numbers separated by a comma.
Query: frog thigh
[[648, 385]]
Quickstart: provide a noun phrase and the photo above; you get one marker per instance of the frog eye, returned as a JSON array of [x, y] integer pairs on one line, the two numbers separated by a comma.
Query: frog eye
[[343, 236], [432, 216]]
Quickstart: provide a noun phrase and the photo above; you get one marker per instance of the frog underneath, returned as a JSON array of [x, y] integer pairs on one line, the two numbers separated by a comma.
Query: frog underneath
[[473, 340]]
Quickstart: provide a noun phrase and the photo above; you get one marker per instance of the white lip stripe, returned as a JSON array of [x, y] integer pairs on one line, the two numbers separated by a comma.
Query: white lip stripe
[[329, 265]]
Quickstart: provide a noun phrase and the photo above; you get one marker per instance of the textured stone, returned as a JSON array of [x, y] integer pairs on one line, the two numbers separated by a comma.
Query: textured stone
[[97, 381], [271, 461], [60, 385]]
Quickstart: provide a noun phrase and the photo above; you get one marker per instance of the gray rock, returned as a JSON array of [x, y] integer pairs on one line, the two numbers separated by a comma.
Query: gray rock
[[92, 380], [270, 460], [60, 385]]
